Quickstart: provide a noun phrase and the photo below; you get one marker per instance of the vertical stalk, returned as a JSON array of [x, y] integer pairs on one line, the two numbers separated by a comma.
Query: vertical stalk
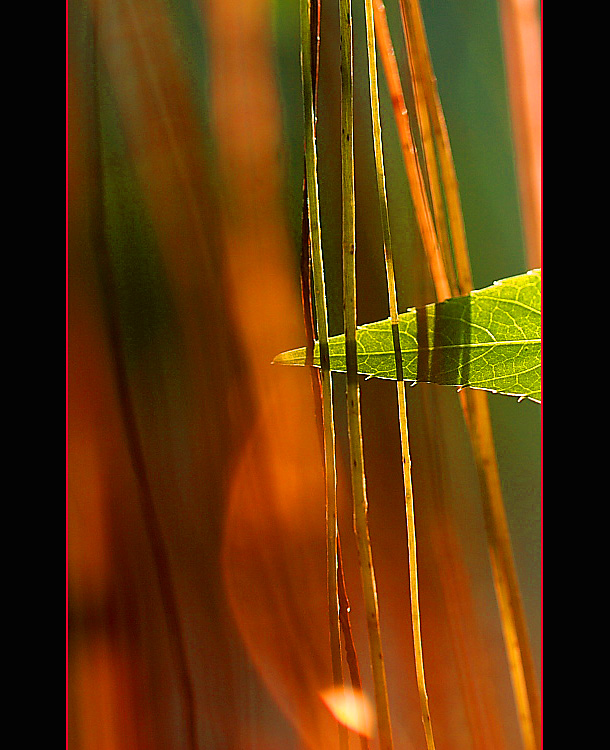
[[429, 109], [316, 376], [305, 269], [346, 628], [427, 231], [400, 384], [478, 420], [520, 23], [353, 392], [322, 322], [506, 582], [423, 118], [419, 195]]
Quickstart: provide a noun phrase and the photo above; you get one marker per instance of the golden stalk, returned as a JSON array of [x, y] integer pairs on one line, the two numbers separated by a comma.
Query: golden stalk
[[361, 527], [400, 384]]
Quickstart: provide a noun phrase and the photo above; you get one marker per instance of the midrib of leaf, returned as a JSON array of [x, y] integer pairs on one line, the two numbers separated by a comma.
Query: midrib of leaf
[[449, 347]]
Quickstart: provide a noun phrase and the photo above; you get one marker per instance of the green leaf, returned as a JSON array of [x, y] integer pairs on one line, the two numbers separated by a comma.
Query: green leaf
[[489, 339]]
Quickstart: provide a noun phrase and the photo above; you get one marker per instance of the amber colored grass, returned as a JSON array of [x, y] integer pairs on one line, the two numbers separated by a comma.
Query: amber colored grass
[[335, 578], [315, 234], [356, 456], [522, 51], [474, 404], [400, 384], [419, 195]]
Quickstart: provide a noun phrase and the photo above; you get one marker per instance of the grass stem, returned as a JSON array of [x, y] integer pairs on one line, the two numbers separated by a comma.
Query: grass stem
[[520, 23], [478, 420], [506, 583], [322, 325], [423, 118], [432, 121], [353, 391], [419, 194], [400, 384]]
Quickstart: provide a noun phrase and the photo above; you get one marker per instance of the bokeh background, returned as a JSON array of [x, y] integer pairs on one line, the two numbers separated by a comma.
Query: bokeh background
[[196, 557]]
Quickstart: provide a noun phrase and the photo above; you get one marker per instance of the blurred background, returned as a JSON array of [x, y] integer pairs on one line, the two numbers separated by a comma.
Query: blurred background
[[197, 613]]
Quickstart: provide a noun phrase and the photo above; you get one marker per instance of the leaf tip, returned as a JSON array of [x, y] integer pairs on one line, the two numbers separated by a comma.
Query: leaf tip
[[292, 357]]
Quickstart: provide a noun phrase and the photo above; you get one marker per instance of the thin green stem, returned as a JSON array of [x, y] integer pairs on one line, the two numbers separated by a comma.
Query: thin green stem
[[311, 168], [400, 384], [353, 392]]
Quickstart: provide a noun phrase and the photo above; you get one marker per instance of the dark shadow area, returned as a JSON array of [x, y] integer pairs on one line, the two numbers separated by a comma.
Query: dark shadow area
[[451, 366], [442, 341]]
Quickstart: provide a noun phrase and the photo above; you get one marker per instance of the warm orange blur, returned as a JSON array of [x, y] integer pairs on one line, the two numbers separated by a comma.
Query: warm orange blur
[[522, 49], [196, 518], [196, 405], [274, 538]]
